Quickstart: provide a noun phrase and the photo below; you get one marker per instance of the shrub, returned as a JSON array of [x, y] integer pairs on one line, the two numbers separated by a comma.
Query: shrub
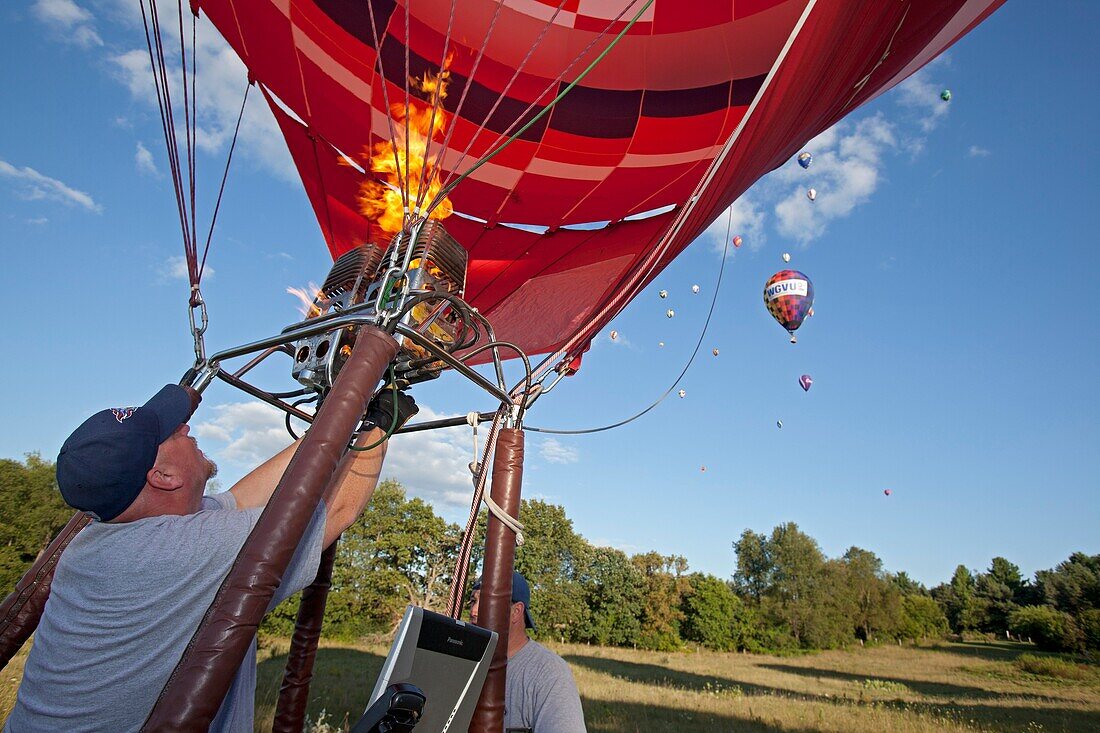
[[1089, 621], [877, 685], [1049, 628], [1051, 667]]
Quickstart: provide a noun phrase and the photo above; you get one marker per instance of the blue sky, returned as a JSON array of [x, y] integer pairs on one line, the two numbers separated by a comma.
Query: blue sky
[[954, 346]]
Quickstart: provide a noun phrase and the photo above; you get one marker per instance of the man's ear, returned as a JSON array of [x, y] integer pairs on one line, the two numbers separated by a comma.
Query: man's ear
[[517, 612], [163, 477]]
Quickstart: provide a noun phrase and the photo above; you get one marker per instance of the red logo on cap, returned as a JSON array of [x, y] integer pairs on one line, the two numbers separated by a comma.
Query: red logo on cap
[[121, 413]]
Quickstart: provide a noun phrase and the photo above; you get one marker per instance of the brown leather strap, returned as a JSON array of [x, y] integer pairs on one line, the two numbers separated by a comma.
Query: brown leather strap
[[22, 609], [290, 713], [195, 690], [495, 602]]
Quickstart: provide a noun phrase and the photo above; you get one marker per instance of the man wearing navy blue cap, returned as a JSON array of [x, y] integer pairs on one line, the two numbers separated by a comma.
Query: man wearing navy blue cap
[[131, 588], [540, 695]]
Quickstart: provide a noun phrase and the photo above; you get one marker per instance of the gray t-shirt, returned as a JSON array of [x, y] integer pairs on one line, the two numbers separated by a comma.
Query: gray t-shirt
[[540, 694], [125, 600]]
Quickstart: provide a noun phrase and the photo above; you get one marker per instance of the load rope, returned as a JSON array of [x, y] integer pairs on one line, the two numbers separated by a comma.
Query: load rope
[[684, 371]]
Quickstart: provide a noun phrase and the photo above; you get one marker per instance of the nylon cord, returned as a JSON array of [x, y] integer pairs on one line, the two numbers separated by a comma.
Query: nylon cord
[[684, 371]]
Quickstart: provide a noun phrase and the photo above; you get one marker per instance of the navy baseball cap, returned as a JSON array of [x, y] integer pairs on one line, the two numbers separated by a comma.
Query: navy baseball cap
[[521, 593], [102, 466]]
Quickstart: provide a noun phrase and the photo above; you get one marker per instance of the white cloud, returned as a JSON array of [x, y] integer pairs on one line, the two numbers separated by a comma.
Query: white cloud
[[846, 170], [921, 95], [744, 217], [68, 22], [848, 164], [432, 465], [249, 434], [221, 83], [175, 268], [977, 152], [38, 220], [554, 451], [34, 186], [144, 160]]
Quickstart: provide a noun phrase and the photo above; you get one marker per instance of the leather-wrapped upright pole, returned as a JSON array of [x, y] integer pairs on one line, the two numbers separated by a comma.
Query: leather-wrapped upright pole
[[495, 601], [290, 713], [22, 609], [197, 686]]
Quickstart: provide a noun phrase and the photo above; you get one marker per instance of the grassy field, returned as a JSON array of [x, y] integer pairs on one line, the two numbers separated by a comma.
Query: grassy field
[[943, 687]]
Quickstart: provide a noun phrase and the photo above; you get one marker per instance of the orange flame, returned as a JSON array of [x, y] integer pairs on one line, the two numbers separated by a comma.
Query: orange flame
[[307, 307], [417, 125]]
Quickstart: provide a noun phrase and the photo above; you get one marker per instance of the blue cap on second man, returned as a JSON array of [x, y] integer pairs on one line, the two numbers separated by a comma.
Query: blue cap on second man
[[521, 593], [102, 466]]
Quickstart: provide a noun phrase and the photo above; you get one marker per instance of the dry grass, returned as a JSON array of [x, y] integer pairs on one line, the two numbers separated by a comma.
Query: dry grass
[[945, 687]]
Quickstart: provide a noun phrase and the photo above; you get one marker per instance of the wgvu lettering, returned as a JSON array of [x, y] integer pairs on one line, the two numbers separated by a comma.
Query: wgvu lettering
[[787, 287]]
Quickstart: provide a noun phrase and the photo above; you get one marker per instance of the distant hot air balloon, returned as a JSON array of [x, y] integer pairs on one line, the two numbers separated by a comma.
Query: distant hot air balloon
[[670, 313], [737, 241], [812, 194], [945, 95], [789, 295], [786, 256], [663, 293], [695, 288], [810, 313], [890, 491], [806, 381], [779, 424], [804, 159], [614, 335], [661, 344], [703, 469], [683, 393], [715, 352]]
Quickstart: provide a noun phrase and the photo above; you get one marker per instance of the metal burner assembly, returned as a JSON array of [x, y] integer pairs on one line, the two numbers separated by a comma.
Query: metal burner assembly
[[415, 289]]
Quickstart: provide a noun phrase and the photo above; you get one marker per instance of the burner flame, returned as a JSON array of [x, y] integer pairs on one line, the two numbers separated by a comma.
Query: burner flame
[[402, 162], [306, 305]]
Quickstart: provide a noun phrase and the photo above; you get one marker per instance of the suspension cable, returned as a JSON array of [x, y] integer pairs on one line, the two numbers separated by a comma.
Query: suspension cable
[[449, 187], [225, 175]]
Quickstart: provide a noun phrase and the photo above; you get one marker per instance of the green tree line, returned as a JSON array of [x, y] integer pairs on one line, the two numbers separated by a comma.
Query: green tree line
[[783, 592]]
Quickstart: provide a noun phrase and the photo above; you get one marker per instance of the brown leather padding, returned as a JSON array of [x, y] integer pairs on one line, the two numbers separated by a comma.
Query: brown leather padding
[[195, 690], [22, 609], [495, 601], [290, 713]]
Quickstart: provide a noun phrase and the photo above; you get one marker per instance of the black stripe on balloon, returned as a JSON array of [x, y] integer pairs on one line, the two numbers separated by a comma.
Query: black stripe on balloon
[[701, 100], [479, 100], [600, 113], [585, 111], [743, 91], [354, 16]]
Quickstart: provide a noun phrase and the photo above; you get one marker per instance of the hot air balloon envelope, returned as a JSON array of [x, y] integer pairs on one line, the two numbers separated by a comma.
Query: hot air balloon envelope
[[737, 241], [695, 288], [789, 295], [806, 381], [715, 352], [779, 424], [945, 95], [670, 313], [683, 393], [786, 256], [804, 159], [663, 293], [888, 492], [614, 335], [696, 101], [812, 194]]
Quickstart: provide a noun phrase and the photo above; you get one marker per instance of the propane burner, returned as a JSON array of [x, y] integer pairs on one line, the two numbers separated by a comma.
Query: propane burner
[[362, 278]]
